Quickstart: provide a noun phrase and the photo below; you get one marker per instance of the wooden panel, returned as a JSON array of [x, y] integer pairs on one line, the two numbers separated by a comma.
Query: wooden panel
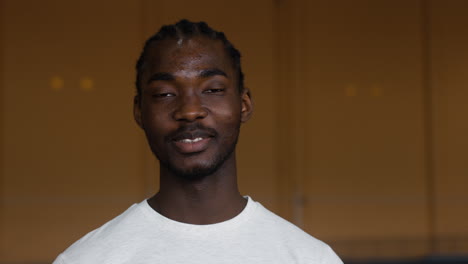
[[70, 146], [359, 118], [449, 42]]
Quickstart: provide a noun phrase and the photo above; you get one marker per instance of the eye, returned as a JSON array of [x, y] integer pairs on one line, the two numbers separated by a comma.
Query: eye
[[161, 95], [215, 86], [214, 91]]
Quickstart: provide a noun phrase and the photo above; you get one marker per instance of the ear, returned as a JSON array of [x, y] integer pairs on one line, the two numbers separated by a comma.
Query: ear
[[137, 110], [247, 105]]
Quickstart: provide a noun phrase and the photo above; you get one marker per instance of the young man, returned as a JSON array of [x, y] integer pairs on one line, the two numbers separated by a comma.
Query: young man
[[190, 103]]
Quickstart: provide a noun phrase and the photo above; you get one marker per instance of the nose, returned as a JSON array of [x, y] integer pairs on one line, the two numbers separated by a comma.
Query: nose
[[190, 109]]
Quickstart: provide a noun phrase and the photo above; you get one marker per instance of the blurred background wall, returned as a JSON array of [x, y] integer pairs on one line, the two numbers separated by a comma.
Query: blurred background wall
[[358, 136]]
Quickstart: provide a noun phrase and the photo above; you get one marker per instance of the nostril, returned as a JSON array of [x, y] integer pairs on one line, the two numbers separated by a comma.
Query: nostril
[[190, 113], [189, 107]]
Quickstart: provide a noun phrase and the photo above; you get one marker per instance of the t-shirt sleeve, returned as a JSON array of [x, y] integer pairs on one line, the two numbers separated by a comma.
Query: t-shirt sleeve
[[330, 257], [59, 260]]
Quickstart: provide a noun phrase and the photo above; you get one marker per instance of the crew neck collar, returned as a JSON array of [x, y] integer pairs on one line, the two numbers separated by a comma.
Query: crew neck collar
[[167, 223]]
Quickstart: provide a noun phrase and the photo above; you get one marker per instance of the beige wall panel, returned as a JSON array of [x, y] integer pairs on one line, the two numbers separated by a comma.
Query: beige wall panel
[[361, 119], [449, 52], [69, 141], [249, 25], [48, 227]]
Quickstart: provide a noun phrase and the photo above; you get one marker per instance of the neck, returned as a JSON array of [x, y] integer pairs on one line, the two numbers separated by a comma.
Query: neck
[[212, 199]]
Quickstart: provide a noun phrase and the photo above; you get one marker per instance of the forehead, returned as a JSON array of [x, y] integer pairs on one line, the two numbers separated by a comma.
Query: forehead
[[172, 55]]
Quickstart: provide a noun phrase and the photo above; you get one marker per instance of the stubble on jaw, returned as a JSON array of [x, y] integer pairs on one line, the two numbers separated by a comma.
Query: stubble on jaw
[[202, 171]]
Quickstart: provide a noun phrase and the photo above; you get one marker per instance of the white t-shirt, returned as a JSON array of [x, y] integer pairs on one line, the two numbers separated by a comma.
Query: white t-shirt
[[141, 235]]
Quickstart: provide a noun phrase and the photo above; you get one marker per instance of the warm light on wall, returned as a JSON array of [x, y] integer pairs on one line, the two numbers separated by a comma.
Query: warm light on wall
[[56, 83], [86, 84]]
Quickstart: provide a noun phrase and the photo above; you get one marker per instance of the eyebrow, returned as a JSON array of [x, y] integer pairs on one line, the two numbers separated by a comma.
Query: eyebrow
[[161, 76], [212, 72], [165, 76]]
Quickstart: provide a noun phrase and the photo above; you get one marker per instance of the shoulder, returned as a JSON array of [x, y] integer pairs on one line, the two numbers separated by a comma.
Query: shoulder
[[98, 242], [297, 242]]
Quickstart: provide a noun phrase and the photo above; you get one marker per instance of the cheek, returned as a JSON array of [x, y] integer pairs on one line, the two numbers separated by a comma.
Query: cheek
[[229, 110], [229, 122], [154, 124]]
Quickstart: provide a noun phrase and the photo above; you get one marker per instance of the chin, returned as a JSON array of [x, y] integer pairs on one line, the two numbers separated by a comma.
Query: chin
[[194, 174], [199, 171], [200, 167]]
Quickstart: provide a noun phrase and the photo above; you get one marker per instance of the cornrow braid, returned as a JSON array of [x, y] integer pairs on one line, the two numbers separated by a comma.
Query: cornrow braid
[[185, 29]]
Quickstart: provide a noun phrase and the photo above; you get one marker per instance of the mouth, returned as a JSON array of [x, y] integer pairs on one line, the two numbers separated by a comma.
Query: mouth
[[187, 140], [192, 142], [190, 146]]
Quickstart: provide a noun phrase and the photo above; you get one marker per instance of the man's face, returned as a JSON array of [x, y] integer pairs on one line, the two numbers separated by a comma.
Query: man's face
[[190, 107]]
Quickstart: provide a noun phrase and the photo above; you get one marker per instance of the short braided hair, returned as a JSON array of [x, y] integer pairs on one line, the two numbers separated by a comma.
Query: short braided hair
[[185, 29]]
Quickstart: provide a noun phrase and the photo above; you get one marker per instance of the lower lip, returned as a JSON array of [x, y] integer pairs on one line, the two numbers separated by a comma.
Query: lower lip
[[192, 147]]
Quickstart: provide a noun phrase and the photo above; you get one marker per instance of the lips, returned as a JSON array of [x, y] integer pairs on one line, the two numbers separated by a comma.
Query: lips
[[192, 141], [195, 145]]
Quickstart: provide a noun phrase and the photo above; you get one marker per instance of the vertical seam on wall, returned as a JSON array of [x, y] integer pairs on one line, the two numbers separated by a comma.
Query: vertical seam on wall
[[278, 110], [283, 79], [2, 110], [428, 113], [279, 63], [299, 132]]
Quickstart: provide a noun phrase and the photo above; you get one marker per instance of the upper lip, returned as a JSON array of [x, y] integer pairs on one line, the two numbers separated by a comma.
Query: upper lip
[[182, 134], [191, 135]]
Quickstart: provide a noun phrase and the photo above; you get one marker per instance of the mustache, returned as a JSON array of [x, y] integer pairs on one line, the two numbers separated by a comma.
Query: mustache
[[191, 131]]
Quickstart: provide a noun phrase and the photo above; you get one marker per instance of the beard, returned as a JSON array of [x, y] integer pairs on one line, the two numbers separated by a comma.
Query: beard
[[207, 167], [202, 171]]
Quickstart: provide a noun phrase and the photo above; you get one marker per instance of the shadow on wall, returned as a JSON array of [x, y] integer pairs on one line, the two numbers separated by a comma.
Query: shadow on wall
[[424, 260]]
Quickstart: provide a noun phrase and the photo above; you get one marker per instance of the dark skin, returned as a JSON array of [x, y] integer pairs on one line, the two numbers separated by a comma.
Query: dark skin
[[191, 110]]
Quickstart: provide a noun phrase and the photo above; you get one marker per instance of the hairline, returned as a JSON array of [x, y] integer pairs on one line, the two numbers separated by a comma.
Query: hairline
[[151, 45]]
